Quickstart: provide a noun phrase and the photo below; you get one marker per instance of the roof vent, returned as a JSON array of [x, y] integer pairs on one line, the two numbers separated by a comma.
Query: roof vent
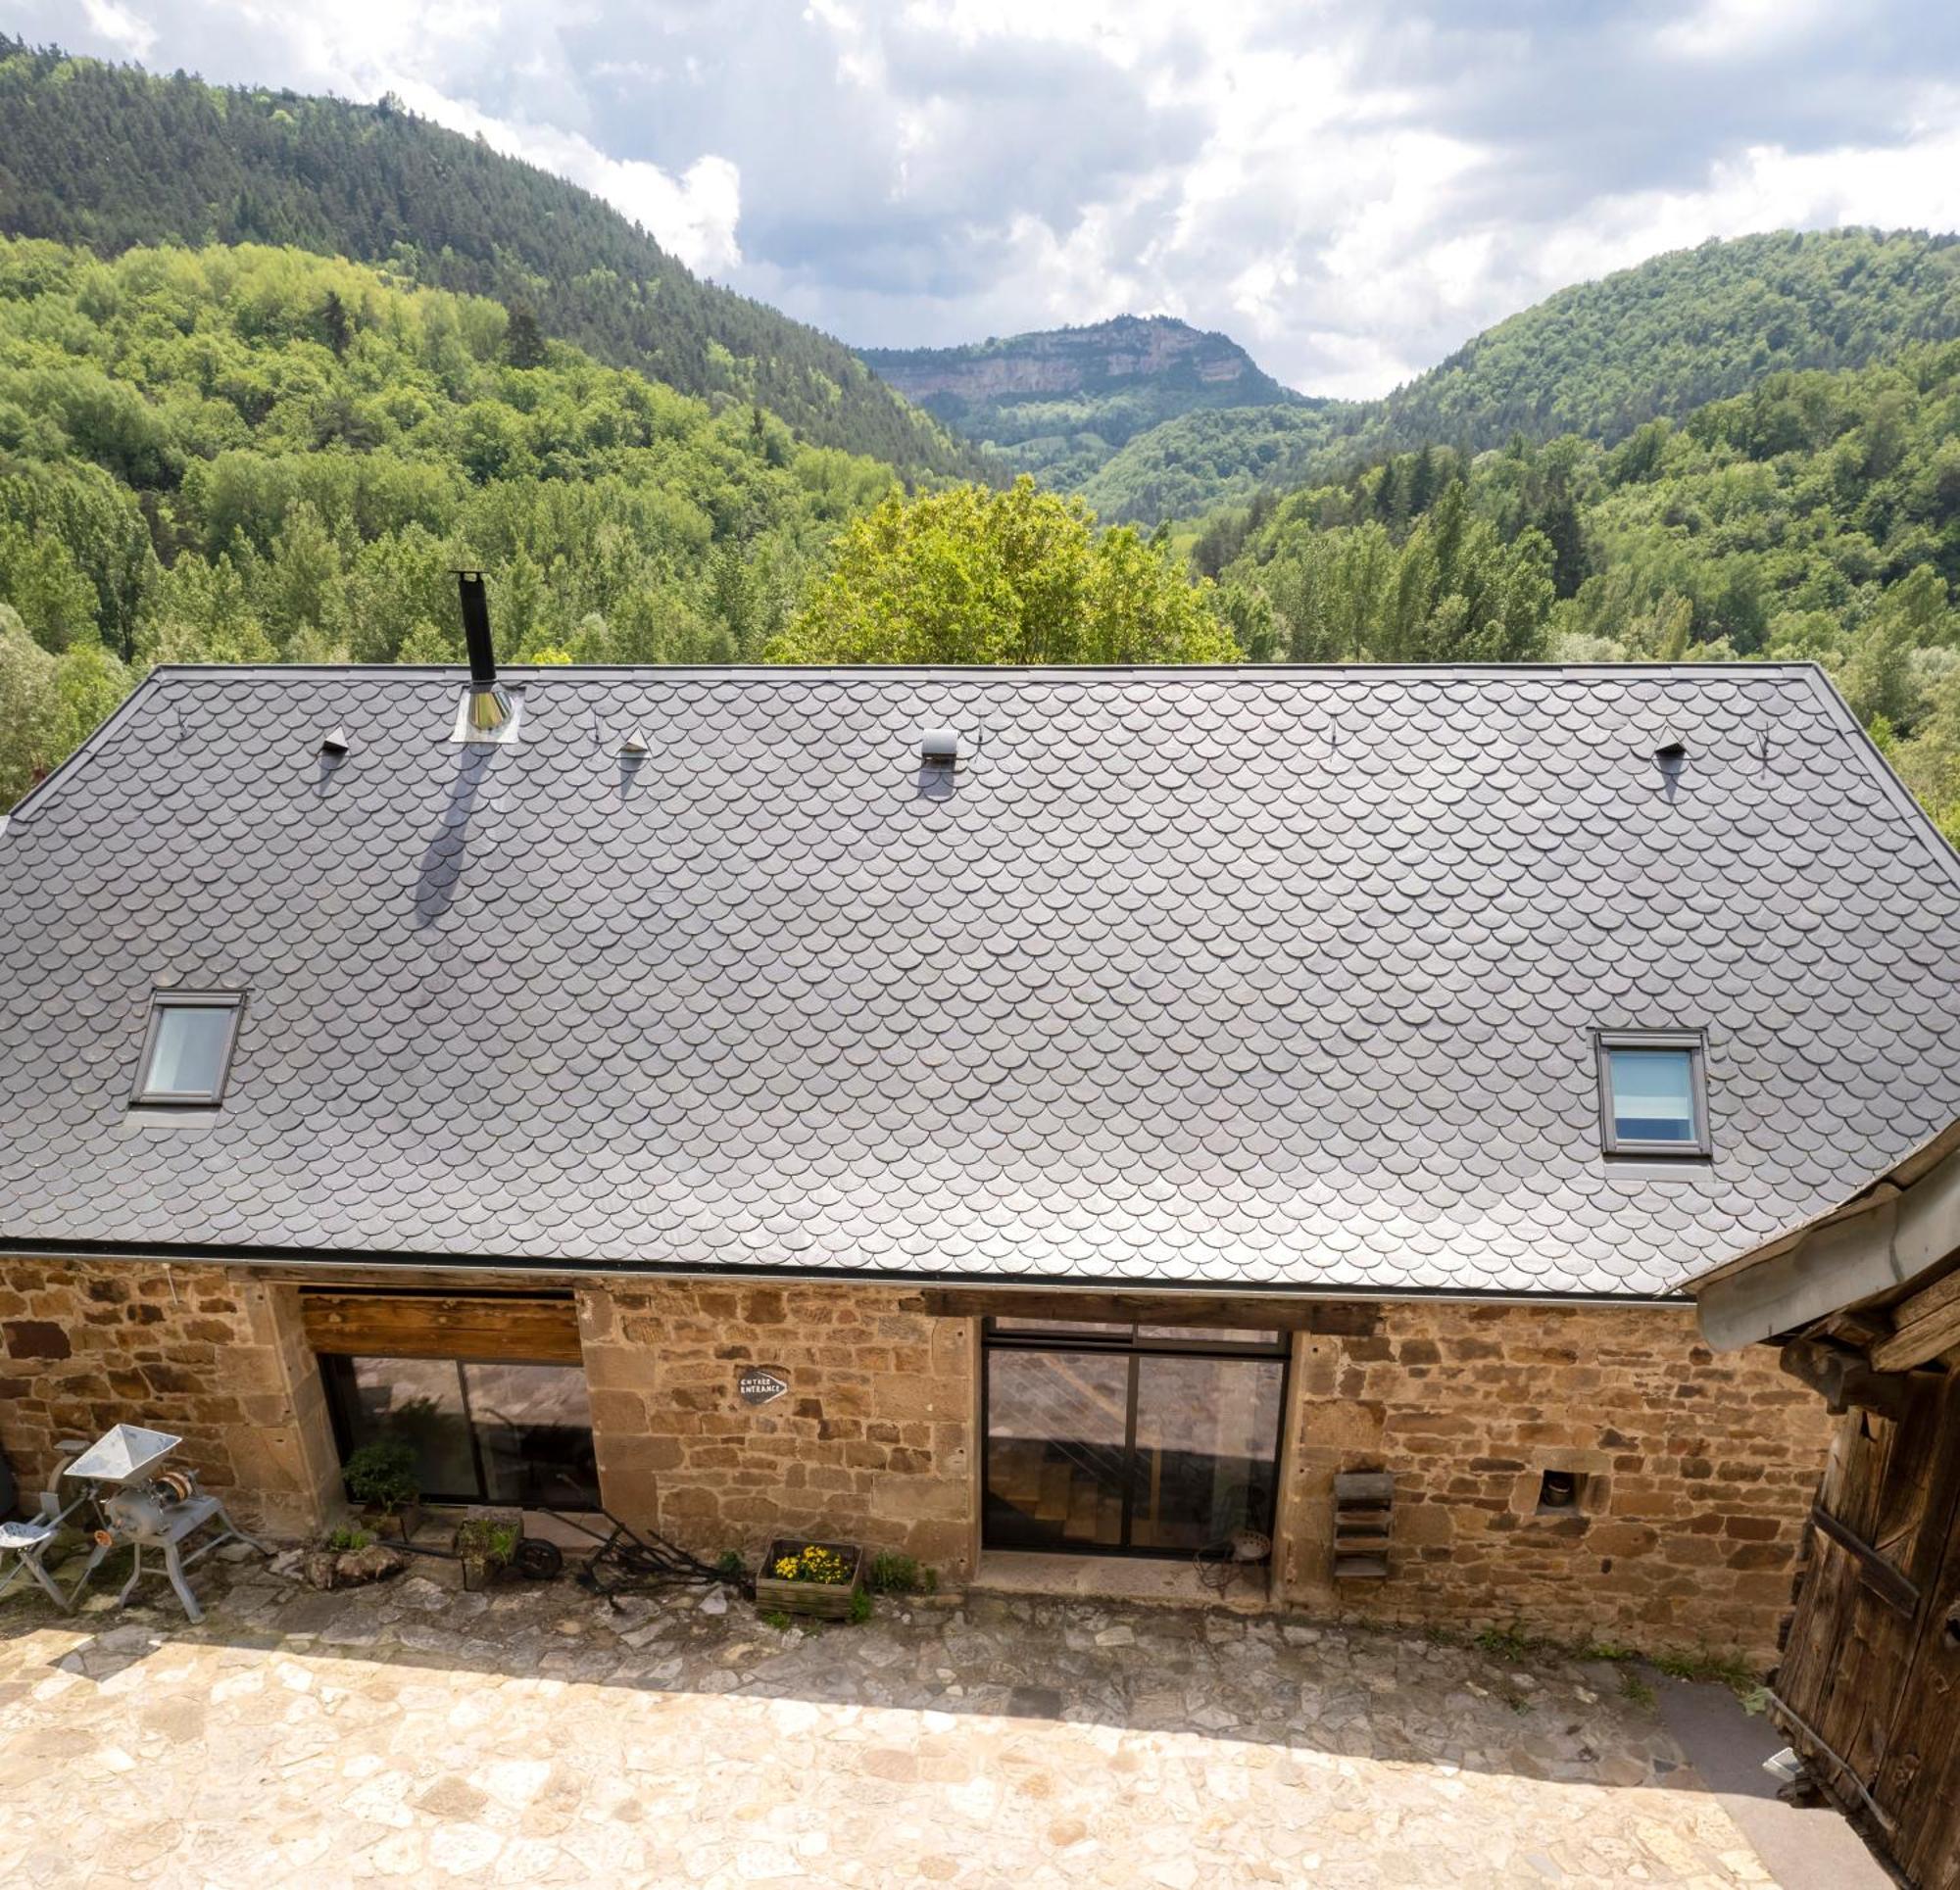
[[489, 708], [334, 742], [634, 744], [939, 747]]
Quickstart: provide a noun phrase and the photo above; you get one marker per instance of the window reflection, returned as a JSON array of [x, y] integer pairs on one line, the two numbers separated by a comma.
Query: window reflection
[[1138, 1448], [481, 1431], [1205, 1451]]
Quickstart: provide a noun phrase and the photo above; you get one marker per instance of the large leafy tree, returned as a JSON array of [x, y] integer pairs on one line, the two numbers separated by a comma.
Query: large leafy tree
[[1455, 589], [47, 702], [972, 575]]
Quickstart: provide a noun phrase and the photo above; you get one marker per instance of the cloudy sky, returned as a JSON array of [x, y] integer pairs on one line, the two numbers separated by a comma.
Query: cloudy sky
[[1349, 191]]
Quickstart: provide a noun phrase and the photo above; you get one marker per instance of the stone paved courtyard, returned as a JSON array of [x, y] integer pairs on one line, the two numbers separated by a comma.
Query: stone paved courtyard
[[531, 1736]]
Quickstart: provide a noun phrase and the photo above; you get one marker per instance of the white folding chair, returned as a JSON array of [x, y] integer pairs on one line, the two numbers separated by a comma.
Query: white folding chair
[[28, 1542]]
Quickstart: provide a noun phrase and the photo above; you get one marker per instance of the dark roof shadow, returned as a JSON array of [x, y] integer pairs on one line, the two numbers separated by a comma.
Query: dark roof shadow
[[448, 849]]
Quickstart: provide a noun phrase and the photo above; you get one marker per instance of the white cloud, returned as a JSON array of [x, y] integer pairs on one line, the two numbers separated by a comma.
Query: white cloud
[[1726, 29], [1352, 194], [694, 215], [118, 28]]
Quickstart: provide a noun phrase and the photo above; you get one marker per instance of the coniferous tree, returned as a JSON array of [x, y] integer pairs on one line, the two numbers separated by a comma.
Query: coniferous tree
[[524, 346]]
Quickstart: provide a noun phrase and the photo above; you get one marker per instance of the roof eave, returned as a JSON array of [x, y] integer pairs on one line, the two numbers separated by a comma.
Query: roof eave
[[1890, 1233]]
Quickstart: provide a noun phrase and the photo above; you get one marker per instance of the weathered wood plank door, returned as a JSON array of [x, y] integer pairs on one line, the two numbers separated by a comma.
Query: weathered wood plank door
[[1871, 1665], [1918, 1782]]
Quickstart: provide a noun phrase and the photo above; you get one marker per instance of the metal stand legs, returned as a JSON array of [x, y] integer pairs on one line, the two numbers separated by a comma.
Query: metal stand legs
[[187, 1520]]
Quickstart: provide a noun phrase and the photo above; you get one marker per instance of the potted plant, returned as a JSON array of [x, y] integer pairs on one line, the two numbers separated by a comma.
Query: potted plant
[[486, 1545], [382, 1478], [818, 1578]]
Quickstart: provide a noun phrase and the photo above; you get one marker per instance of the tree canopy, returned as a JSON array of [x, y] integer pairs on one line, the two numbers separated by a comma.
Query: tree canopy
[[974, 575], [252, 453]]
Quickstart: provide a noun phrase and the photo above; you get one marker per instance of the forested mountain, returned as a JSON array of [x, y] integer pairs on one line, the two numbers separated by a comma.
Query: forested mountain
[[111, 157], [252, 453], [1059, 403], [1599, 359], [1815, 518]]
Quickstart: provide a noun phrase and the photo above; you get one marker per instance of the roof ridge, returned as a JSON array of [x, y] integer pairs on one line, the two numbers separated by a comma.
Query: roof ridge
[[1001, 672]]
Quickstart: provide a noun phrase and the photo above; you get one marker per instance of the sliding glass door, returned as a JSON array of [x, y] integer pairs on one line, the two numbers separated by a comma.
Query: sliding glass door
[[482, 1430], [1115, 1439]]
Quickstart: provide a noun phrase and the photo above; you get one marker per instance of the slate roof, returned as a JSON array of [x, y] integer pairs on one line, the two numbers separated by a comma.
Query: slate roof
[[1265, 977]]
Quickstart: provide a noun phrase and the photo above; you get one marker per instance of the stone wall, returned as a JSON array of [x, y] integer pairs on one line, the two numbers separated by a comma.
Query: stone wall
[[1696, 1474], [1696, 1470], [873, 1443], [198, 1350]]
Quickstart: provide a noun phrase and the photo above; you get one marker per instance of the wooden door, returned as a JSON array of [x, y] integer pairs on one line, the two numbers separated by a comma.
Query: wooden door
[[1919, 1781], [1869, 1666]]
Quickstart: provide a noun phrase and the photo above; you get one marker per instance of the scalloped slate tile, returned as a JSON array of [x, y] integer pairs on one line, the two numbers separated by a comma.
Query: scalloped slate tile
[[1262, 977]]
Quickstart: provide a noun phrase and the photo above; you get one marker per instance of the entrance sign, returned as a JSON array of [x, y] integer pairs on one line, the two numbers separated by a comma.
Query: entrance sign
[[759, 1386]]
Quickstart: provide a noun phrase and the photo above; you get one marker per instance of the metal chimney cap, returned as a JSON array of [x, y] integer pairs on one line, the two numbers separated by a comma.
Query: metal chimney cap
[[940, 746]]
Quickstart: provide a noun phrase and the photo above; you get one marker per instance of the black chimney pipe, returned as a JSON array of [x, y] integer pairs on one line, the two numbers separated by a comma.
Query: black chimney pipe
[[477, 629], [489, 706]]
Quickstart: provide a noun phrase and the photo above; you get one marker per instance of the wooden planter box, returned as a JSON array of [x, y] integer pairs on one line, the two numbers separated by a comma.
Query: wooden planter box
[[825, 1600]]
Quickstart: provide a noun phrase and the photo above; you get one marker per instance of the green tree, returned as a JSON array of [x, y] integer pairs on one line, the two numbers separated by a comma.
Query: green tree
[[972, 575], [524, 346], [40, 579], [30, 719]]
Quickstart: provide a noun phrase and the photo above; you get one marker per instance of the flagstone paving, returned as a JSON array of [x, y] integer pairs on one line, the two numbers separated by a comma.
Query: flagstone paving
[[535, 1737]]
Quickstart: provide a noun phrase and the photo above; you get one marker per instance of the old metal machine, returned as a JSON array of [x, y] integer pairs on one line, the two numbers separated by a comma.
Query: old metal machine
[[148, 1504]]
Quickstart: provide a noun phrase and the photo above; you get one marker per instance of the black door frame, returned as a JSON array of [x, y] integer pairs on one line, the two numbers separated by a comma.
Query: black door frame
[[1059, 1339]]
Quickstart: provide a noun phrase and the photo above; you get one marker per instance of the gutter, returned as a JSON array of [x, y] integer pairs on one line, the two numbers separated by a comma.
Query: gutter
[[523, 1267]]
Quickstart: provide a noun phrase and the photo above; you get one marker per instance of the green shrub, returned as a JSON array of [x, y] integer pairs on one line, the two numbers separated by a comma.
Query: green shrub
[[899, 1575], [491, 1540], [382, 1475]]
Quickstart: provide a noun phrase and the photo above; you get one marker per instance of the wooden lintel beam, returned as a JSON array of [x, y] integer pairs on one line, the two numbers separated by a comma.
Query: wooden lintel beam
[[1844, 1379], [1349, 1318], [465, 1326], [1923, 1327]]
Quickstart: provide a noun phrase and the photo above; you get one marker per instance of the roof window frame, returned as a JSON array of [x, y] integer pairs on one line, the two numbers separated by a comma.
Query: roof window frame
[[1695, 1042], [143, 1095]]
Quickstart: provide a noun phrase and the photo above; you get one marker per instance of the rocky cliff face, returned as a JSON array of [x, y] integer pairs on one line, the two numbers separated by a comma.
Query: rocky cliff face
[[1059, 403], [1074, 360]]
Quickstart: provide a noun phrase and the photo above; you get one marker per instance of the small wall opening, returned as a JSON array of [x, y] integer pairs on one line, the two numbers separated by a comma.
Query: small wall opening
[[1561, 1492]]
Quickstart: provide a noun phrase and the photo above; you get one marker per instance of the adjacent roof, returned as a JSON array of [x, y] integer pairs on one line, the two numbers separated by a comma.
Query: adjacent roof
[[1891, 1235], [1264, 977]]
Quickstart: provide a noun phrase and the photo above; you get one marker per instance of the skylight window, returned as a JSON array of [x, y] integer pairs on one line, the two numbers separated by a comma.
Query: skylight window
[[187, 1051], [1652, 1095]]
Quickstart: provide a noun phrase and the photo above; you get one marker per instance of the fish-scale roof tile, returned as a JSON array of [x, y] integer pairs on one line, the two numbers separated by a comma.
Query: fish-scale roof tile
[[1262, 977]]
